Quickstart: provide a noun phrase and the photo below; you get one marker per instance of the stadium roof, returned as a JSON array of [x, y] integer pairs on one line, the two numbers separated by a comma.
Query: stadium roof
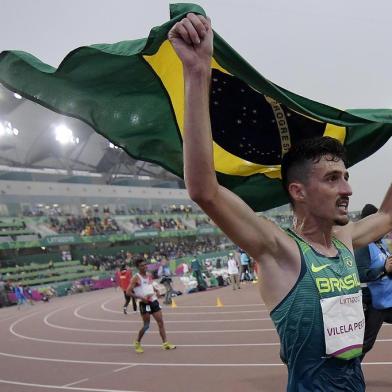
[[32, 136]]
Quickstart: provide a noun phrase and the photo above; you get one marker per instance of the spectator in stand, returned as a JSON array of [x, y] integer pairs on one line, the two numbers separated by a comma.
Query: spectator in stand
[[87, 225], [162, 251]]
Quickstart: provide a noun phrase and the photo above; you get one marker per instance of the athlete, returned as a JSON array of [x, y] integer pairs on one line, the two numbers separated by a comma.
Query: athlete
[[309, 279], [142, 288], [123, 278]]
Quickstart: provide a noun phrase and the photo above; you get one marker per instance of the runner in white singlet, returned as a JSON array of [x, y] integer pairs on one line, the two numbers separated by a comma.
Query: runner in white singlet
[[142, 288]]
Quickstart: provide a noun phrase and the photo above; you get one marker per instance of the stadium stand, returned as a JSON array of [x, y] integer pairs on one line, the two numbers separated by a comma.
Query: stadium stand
[[75, 207]]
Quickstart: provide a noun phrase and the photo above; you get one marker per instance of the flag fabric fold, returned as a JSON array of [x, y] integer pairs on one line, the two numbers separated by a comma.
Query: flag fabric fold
[[132, 93]]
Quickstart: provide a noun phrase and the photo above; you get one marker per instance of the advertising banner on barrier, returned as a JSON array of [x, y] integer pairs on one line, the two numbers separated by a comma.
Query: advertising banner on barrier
[[74, 239]]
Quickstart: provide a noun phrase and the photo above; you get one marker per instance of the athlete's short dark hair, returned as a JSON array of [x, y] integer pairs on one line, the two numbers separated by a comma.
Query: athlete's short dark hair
[[138, 261], [296, 163]]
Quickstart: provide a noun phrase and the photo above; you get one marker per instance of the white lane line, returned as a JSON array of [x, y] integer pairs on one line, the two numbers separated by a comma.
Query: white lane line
[[218, 311], [10, 318], [171, 331], [168, 311], [146, 345], [78, 315], [173, 321], [49, 324], [158, 364], [76, 382], [188, 306], [103, 306], [226, 306], [47, 386], [12, 330], [15, 316], [376, 363], [152, 364], [123, 368]]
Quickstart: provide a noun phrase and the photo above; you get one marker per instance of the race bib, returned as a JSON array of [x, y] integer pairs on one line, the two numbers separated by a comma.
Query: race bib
[[344, 325]]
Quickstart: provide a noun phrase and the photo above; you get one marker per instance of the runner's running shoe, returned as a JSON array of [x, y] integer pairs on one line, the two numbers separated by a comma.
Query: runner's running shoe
[[168, 346], [138, 347]]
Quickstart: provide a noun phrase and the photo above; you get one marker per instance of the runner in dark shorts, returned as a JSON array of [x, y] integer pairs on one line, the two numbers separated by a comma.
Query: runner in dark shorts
[[142, 288], [150, 308]]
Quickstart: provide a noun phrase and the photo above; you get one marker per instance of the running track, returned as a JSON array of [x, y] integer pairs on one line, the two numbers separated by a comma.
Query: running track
[[83, 343]]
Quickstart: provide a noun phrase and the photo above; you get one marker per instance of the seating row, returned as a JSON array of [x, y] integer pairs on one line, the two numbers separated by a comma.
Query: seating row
[[37, 267]]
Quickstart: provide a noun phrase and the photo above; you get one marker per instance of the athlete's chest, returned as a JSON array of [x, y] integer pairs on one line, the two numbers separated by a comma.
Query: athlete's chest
[[333, 276]]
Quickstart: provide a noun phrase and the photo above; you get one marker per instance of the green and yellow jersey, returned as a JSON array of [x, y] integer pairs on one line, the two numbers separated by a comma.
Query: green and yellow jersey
[[299, 322]]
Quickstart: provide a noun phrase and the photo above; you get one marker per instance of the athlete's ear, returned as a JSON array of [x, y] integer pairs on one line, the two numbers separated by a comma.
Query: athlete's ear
[[297, 191]]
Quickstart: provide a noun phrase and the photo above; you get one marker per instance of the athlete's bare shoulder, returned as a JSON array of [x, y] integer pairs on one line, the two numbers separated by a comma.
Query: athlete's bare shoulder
[[344, 234], [282, 248], [279, 270]]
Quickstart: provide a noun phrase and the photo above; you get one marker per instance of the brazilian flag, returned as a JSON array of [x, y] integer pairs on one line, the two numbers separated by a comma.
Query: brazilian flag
[[132, 93]]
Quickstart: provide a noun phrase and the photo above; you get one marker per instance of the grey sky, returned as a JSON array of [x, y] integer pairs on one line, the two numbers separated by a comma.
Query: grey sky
[[336, 52]]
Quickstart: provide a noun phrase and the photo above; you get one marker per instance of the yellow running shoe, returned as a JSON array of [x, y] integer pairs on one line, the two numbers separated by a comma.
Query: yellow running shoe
[[138, 347], [168, 346]]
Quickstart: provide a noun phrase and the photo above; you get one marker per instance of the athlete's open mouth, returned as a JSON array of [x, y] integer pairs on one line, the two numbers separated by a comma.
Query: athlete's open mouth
[[342, 204]]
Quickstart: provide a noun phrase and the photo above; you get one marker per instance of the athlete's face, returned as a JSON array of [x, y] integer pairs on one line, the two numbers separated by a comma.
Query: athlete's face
[[327, 191], [142, 267]]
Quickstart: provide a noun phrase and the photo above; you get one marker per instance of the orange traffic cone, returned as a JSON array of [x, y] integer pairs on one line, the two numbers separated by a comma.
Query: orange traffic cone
[[219, 303], [173, 304]]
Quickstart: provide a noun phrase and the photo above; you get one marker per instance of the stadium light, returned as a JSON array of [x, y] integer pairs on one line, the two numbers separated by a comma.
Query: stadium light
[[64, 135], [6, 129]]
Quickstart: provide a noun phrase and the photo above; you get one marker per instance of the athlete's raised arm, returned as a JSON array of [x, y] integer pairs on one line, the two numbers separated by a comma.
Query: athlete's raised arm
[[375, 226], [192, 39], [371, 228]]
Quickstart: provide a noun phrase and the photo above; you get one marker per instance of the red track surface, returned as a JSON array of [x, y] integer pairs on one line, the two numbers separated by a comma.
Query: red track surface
[[83, 343]]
